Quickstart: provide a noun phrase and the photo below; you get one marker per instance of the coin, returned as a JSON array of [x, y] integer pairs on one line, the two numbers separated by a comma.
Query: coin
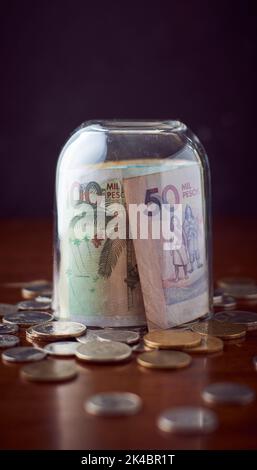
[[248, 319], [62, 348], [188, 420], [164, 359], [209, 344], [243, 292], [170, 339], [140, 347], [49, 371], [7, 308], [255, 362], [121, 336], [33, 305], [86, 338], [32, 290], [44, 299], [217, 296], [228, 302], [228, 392], [8, 341], [226, 282], [23, 354], [223, 330], [29, 334], [24, 319], [104, 351], [8, 329], [58, 330], [113, 404]]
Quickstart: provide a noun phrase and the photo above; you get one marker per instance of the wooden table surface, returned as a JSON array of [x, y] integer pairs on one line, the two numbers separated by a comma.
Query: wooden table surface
[[51, 416]]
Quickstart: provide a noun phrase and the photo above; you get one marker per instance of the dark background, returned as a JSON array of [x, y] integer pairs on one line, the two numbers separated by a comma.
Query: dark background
[[63, 62]]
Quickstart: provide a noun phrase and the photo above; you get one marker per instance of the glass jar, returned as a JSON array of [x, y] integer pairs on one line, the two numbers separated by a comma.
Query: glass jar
[[110, 272]]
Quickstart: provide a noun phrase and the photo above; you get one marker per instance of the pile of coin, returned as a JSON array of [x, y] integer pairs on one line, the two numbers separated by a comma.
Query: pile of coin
[[53, 340]]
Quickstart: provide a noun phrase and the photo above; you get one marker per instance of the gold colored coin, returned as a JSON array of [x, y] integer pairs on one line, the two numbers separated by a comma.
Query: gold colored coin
[[170, 339], [164, 359], [208, 345], [221, 329], [49, 371]]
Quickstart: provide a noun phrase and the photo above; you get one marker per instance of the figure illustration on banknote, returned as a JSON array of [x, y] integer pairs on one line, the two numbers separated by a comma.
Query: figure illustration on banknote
[[179, 256], [191, 230]]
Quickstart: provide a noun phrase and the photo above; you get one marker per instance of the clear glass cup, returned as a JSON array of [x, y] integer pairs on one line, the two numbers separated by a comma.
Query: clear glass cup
[[117, 182]]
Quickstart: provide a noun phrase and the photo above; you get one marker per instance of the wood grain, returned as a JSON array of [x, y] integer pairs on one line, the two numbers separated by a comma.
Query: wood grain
[[46, 416]]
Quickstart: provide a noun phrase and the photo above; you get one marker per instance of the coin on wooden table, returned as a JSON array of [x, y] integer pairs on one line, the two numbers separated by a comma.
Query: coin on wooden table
[[113, 404], [223, 330], [58, 330], [248, 319], [62, 348], [7, 308], [170, 339], [208, 345], [227, 303], [226, 282], [44, 299], [24, 319], [6, 329], [29, 334], [23, 354], [228, 392], [122, 336], [188, 420], [244, 292], [87, 337], [140, 347], [103, 351], [217, 296], [164, 359], [49, 371], [33, 305], [8, 341], [38, 288]]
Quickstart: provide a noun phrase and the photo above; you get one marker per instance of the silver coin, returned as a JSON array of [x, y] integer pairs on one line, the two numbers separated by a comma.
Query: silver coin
[[50, 371], [217, 296], [7, 308], [228, 392], [8, 341], [121, 336], [228, 302], [61, 348], [244, 291], [188, 420], [8, 329], [59, 329], [103, 351], [88, 337], [44, 299], [23, 354], [33, 305], [249, 319], [140, 347], [113, 404], [36, 288], [28, 318]]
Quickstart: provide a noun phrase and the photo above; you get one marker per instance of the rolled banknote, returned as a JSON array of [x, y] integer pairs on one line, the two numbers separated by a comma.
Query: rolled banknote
[[96, 276], [174, 278]]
